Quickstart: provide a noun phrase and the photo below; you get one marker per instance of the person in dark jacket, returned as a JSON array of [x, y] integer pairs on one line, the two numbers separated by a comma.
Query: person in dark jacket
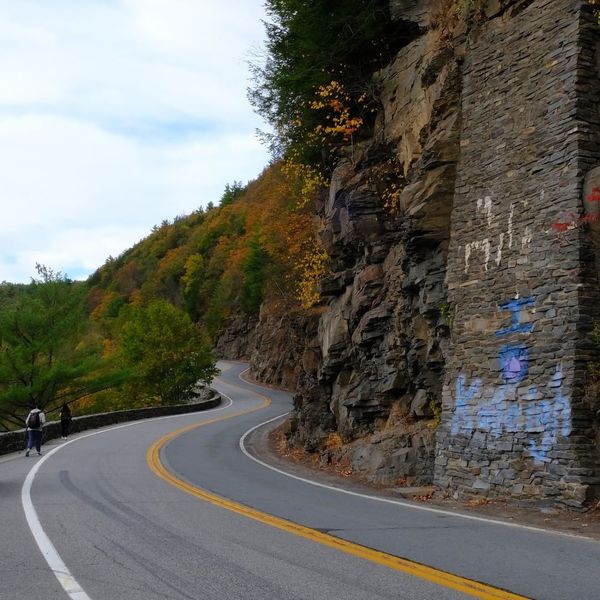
[[34, 422], [65, 421]]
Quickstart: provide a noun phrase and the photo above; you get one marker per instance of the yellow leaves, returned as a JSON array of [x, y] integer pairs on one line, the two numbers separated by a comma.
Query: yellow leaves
[[194, 267], [391, 197], [135, 298], [596, 5], [109, 347], [331, 89], [312, 268], [339, 115], [387, 177], [306, 181], [334, 99]]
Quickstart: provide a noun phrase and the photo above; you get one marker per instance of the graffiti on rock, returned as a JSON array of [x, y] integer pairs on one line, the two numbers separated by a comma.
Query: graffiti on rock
[[497, 239], [515, 306], [541, 414], [573, 222], [570, 220]]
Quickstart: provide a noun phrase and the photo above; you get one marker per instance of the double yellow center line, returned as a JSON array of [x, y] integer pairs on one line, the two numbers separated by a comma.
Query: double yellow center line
[[461, 584]]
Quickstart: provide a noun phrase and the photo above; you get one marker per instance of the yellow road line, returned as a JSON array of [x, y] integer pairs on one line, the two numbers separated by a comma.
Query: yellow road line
[[461, 584]]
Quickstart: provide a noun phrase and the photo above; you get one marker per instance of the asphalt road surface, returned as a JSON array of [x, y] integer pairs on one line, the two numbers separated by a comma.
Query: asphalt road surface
[[138, 511]]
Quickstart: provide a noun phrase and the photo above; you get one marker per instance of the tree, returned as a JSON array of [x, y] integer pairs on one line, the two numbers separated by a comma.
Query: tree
[[47, 356], [254, 278], [190, 283], [167, 353], [309, 46], [232, 192]]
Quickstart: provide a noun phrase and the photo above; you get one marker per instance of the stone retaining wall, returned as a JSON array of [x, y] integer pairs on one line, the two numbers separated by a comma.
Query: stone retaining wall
[[523, 300], [15, 440]]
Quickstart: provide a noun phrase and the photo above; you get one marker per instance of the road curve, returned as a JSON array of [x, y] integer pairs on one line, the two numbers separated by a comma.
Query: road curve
[[123, 532]]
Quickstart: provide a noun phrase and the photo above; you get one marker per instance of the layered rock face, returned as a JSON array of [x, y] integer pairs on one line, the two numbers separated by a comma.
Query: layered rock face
[[277, 344], [383, 338], [455, 325]]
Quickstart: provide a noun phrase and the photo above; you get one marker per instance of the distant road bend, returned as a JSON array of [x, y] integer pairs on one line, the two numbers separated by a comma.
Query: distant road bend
[[172, 508]]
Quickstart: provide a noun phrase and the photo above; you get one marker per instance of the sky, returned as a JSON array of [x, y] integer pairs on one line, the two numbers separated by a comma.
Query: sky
[[114, 116]]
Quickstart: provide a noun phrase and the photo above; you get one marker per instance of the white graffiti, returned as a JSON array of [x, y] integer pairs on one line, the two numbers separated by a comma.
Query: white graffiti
[[488, 245], [485, 204], [477, 245]]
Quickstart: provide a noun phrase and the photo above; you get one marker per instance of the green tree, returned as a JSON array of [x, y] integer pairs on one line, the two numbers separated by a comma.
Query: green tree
[[167, 353], [311, 44], [232, 192], [190, 283], [254, 269], [47, 354], [221, 302]]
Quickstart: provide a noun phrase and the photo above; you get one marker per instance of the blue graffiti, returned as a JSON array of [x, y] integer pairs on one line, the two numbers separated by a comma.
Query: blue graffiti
[[514, 362], [502, 409], [554, 421], [487, 419], [462, 416], [533, 414], [515, 307]]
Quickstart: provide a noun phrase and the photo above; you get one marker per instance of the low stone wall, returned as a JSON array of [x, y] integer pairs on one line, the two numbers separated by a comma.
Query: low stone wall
[[14, 441]]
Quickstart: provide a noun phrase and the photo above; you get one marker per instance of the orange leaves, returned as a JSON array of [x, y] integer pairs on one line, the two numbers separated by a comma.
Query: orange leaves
[[105, 306], [338, 123], [128, 277], [200, 262], [237, 256]]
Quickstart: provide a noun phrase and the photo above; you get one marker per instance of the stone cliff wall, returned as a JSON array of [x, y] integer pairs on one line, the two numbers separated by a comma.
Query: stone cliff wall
[[467, 300], [382, 339], [280, 345], [513, 419]]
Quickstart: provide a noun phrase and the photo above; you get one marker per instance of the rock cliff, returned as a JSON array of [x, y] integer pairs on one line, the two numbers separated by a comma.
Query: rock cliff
[[453, 324]]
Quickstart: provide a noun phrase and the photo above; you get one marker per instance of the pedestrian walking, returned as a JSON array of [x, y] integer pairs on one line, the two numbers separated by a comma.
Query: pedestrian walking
[[65, 421], [34, 422]]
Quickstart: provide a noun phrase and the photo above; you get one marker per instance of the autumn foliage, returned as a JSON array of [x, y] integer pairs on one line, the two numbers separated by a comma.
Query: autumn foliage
[[259, 246]]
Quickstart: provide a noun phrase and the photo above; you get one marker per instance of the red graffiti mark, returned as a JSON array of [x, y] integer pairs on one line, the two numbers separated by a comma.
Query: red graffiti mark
[[595, 197], [564, 226]]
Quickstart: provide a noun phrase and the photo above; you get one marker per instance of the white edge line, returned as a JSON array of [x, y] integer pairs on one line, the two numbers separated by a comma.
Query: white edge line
[[410, 505], [439, 511], [49, 552]]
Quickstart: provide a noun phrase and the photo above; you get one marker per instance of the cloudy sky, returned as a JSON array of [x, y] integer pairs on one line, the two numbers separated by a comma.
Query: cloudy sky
[[116, 115]]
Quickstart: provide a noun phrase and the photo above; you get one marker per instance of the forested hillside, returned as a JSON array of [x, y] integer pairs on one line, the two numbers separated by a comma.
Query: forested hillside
[[258, 245], [140, 330]]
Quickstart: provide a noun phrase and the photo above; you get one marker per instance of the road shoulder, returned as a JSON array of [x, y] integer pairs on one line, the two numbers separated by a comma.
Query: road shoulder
[[265, 443]]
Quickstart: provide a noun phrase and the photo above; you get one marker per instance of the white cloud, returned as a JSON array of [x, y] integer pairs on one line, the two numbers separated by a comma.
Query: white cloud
[[115, 116]]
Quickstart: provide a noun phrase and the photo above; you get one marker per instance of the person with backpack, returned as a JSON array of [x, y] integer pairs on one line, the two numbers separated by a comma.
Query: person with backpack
[[34, 422], [65, 421]]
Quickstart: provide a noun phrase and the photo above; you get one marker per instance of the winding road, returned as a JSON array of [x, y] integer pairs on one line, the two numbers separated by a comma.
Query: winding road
[[176, 508]]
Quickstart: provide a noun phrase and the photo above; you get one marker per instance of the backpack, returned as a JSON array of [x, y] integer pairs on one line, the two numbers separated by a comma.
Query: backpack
[[33, 422]]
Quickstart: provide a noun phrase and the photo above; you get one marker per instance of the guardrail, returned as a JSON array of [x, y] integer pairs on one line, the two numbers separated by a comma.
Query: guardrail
[[13, 441]]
